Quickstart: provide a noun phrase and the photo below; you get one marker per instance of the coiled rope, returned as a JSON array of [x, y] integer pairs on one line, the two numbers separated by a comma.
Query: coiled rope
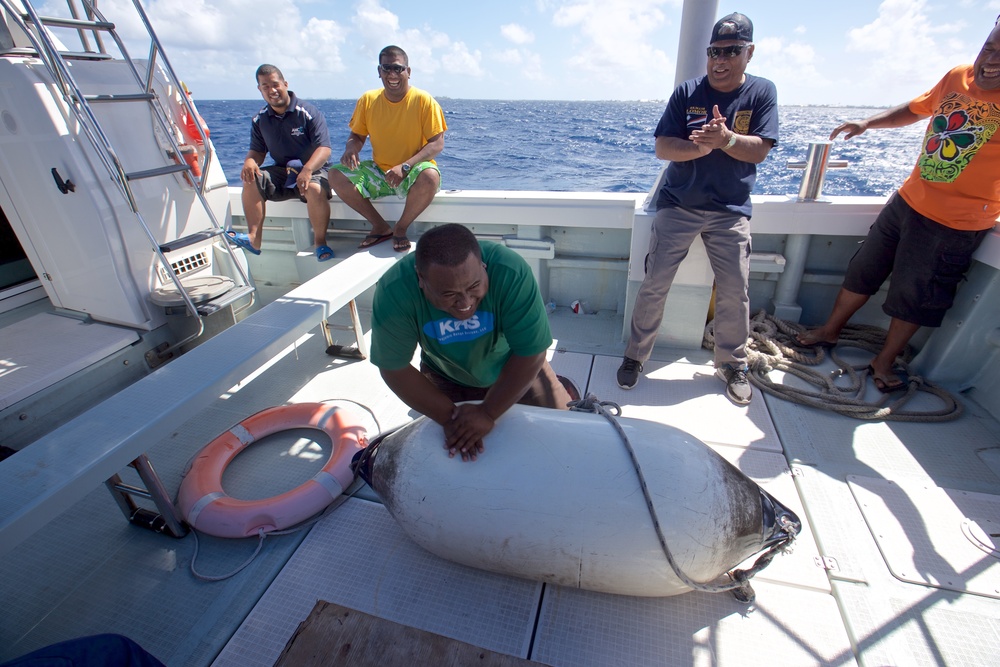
[[740, 579], [772, 347]]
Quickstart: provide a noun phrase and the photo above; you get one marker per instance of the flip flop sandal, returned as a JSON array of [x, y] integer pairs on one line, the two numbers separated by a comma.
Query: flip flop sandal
[[374, 239], [400, 243], [885, 387], [241, 240], [323, 253]]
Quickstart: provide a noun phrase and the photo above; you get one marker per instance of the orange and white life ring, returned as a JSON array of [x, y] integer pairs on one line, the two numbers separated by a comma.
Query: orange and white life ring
[[206, 507], [190, 140], [191, 124]]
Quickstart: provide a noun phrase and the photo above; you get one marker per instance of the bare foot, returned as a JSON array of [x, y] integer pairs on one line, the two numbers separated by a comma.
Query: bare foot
[[812, 339], [400, 243]]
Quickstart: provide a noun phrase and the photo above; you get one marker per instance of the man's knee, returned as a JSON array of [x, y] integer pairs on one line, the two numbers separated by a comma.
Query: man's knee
[[251, 192], [547, 390], [334, 175], [429, 177], [338, 180], [317, 192]]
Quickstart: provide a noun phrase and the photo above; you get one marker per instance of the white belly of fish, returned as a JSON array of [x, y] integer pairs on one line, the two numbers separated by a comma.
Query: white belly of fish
[[555, 497]]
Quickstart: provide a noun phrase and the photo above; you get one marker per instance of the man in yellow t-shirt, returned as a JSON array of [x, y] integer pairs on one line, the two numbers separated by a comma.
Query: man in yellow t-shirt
[[407, 127], [928, 230]]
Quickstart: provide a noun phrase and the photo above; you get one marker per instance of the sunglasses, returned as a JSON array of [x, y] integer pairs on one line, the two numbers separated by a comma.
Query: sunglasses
[[726, 51], [392, 69]]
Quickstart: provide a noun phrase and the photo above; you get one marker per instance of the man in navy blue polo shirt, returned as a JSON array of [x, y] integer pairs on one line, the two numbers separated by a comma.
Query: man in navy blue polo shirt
[[294, 133], [715, 130]]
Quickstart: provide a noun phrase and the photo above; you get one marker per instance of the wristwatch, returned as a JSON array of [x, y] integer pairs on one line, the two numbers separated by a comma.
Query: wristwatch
[[405, 167]]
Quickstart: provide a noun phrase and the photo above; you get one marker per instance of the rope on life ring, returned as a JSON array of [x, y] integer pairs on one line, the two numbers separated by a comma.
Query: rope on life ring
[[206, 507]]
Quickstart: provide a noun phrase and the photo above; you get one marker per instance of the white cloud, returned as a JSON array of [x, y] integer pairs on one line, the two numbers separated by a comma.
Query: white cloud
[[613, 42], [460, 60], [900, 24], [792, 66], [379, 27], [517, 34], [904, 49], [885, 51], [372, 18], [532, 68], [991, 4], [528, 65], [430, 51], [212, 43], [508, 57], [321, 40]]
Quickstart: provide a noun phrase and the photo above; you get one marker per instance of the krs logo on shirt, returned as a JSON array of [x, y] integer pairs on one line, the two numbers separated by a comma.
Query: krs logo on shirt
[[450, 330], [298, 131]]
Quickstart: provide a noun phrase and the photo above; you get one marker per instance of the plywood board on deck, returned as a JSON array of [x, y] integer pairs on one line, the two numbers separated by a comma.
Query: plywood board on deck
[[334, 635]]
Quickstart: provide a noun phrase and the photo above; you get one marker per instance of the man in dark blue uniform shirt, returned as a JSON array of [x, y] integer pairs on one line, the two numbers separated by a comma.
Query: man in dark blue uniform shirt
[[294, 132], [715, 130]]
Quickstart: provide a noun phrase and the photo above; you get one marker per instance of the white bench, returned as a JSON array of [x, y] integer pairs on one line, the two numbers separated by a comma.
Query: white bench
[[44, 479]]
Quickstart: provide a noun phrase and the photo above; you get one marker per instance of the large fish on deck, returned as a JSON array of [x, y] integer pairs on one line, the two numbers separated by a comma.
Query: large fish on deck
[[556, 497]]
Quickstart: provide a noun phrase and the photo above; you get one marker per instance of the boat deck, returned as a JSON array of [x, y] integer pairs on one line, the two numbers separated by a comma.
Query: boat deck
[[887, 570]]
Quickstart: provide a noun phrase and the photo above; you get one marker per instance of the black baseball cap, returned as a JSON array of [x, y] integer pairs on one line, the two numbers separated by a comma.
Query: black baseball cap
[[736, 26]]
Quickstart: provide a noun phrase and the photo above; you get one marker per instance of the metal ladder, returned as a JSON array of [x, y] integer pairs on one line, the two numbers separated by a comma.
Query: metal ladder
[[165, 519], [80, 105]]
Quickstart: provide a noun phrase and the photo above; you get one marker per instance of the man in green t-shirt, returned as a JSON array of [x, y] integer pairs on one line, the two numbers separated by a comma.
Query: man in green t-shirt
[[474, 309]]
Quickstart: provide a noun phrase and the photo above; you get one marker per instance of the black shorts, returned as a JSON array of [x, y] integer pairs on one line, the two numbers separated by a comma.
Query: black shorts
[[547, 391], [926, 259], [271, 184]]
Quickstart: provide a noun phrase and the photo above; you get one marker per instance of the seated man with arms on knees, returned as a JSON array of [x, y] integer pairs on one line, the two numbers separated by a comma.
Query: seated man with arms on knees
[[407, 127], [294, 133], [476, 312]]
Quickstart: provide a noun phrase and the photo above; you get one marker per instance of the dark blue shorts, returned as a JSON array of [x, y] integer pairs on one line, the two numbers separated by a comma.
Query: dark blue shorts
[[271, 184], [926, 259]]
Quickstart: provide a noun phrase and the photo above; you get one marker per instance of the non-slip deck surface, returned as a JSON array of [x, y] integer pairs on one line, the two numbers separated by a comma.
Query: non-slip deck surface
[[836, 600]]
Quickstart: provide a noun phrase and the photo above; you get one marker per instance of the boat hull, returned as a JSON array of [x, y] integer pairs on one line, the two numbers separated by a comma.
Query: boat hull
[[555, 497]]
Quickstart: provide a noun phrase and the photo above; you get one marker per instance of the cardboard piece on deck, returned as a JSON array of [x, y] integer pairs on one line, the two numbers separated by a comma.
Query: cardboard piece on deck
[[333, 636]]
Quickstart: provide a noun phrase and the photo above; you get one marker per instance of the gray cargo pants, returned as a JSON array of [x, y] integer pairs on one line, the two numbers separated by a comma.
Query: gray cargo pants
[[727, 241]]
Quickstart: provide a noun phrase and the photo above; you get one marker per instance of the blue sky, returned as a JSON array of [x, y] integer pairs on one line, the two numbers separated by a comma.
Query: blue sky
[[853, 52]]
